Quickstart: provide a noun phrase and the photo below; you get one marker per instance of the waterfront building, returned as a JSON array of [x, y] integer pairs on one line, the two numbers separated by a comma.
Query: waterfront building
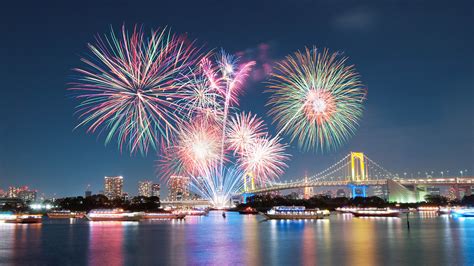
[[178, 187], [2, 193], [145, 188], [433, 191], [155, 190], [341, 193], [113, 186], [23, 193]]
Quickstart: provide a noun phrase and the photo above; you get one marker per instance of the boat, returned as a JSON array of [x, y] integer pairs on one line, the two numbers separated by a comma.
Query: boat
[[376, 212], [346, 209], [295, 212], [64, 214], [248, 210], [25, 219], [4, 216], [114, 215], [445, 210], [163, 216], [428, 209], [192, 212], [463, 212]]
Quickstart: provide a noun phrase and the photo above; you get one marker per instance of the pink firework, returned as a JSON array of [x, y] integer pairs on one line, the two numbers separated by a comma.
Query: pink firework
[[243, 130], [128, 86], [198, 146], [265, 159]]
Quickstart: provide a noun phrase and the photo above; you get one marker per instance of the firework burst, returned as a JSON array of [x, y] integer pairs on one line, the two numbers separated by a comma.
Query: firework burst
[[316, 99], [265, 159], [198, 146], [243, 130], [128, 86]]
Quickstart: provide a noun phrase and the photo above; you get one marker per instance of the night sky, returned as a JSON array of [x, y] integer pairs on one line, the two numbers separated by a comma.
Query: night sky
[[415, 57]]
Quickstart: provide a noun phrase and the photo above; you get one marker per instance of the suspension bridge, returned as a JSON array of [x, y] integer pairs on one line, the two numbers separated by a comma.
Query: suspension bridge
[[357, 171]]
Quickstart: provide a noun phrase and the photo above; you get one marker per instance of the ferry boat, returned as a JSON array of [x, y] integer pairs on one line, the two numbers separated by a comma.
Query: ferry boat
[[376, 212], [114, 215], [25, 219], [428, 209], [446, 209], [192, 212], [464, 212], [295, 212], [346, 209], [248, 210], [163, 215], [64, 214], [4, 216]]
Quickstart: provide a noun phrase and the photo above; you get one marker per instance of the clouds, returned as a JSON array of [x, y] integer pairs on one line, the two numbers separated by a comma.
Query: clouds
[[356, 19]]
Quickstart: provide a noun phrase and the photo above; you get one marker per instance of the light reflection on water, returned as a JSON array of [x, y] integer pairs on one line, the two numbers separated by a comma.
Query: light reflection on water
[[242, 240]]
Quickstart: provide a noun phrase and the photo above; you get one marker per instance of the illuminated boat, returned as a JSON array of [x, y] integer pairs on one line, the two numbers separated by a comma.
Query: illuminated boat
[[295, 212], [248, 210], [26, 219], [64, 214], [464, 212], [428, 209], [346, 209], [445, 210], [163, 216], [5, 216], [114, 215], [376, 212], [192, 212]]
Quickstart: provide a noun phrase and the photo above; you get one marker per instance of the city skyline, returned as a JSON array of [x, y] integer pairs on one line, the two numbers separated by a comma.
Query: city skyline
[[417, 117]]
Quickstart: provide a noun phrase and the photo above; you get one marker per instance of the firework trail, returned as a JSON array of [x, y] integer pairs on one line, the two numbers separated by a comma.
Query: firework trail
[[316, 99], [127, 87]]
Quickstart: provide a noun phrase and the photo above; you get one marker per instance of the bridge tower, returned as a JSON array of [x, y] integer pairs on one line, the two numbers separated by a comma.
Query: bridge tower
[[358, 174], [358, 169], [248, 176]]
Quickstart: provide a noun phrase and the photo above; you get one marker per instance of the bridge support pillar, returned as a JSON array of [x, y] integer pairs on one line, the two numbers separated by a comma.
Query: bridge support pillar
[[245, 196], [358, 190]]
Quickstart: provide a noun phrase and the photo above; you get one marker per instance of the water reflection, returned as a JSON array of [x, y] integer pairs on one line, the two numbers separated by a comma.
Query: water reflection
[[251, 240], [106, 242], [242, 240]]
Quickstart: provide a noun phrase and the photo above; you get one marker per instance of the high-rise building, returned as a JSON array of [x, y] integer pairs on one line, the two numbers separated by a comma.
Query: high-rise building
[[23, 193], [145, 188], [88, 192], [2, 193], [178, 187], [113, 187], [155, 190]]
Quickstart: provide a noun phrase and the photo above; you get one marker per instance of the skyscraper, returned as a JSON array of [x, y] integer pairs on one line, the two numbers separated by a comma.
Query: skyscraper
[[113, 187], [155, 190], [178, 187], [145, 188], [88, 192]]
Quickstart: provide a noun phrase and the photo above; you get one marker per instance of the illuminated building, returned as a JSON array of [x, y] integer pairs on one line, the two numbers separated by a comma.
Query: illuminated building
[[23, 193], [113, 187], [433, 190], [155, 190], [2, 193], [341, 193], [178, 187], [145, 188]]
